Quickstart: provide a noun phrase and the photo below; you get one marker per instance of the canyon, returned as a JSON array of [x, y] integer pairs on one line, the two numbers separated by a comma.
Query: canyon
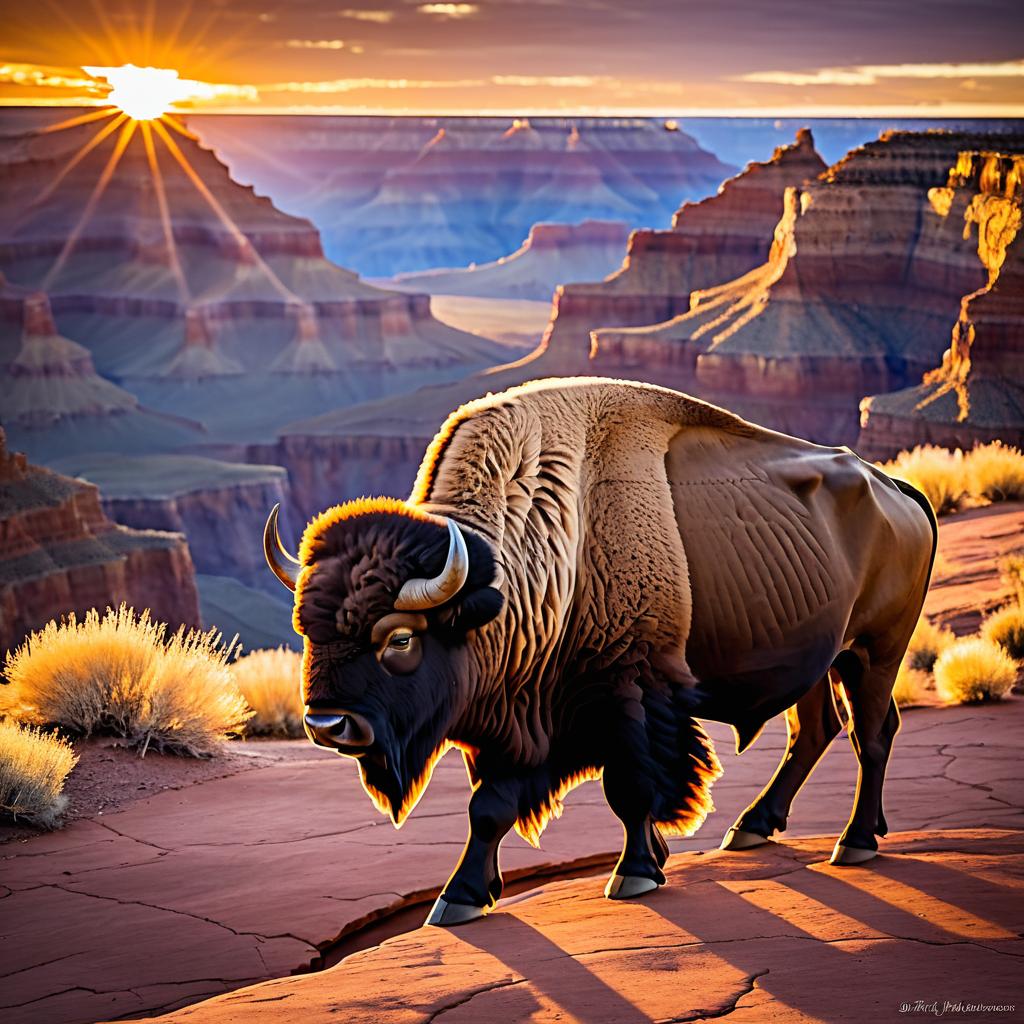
[[976, 395], [401, 194], [61, 553]]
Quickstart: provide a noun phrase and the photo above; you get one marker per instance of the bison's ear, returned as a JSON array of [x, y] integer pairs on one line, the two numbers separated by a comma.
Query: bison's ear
[[476, 609]]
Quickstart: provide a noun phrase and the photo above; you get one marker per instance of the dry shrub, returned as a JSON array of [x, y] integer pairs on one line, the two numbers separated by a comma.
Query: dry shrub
[[1006, 628], [972, 670], [121, 676], [271, 682], [911, 686], [33, 767], [926, 643], [938, 472], [1011, 573], [995, 471]]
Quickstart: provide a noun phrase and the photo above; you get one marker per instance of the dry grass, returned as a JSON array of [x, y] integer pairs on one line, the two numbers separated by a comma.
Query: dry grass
[[120, 675], [1006, 628], [1011, 572], [995, 472], [938, 472], [911, 686], [926, 644], [271, 682], [972, 670], [33, 767]]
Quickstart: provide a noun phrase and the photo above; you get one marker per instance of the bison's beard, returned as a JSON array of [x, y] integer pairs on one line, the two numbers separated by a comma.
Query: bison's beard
[[397, 771]]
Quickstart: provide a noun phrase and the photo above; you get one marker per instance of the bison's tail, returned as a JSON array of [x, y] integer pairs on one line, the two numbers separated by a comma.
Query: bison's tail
[[689, 770]]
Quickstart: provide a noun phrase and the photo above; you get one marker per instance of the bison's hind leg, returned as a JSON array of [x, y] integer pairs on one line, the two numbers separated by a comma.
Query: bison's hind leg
[[811, 725]]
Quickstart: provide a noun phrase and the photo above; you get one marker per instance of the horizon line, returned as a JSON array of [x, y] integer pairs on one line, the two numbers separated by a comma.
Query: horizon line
[[1008, 112]]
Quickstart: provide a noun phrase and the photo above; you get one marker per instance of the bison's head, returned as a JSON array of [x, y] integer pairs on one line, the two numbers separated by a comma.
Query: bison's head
[[386, 597]]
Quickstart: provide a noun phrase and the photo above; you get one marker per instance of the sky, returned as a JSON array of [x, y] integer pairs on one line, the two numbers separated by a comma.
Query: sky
[[662, 57]]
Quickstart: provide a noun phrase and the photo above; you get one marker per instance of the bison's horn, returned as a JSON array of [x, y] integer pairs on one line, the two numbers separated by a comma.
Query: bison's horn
[[282, 564], [417, 595]]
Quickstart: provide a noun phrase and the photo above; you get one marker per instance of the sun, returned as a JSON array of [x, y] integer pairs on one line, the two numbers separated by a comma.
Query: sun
[[145, 93]]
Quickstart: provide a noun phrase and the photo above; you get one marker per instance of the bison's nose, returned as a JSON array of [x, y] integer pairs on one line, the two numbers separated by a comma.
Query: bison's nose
[[344, 731]]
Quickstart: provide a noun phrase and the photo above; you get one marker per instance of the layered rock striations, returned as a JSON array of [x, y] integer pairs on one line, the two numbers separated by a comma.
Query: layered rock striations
[[977, 393], [404, 194], [198, 295], [552, 253], [52, 400], [220, 507], [711, 241], [60, 553], [863, 278]]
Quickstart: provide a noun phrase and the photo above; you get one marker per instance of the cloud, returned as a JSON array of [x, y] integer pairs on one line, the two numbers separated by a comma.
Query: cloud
[[315, 44], [450, 10], [46, 77], [354, 84], [871, 74], [380, 17], [555, 81]]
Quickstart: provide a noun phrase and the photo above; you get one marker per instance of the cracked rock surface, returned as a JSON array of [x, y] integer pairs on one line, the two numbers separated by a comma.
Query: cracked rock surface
[[772, 934], [199, 891]]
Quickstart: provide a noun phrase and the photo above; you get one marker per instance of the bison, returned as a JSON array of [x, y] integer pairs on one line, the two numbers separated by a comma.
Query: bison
[[583, 569]]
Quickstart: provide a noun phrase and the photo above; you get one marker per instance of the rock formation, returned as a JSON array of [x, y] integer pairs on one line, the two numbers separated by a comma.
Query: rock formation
[[60, 553], [52, 401], [220, 507], [402, 194], [192, 291], [551, 254], [863, 278], [977, 394], [711, 241]]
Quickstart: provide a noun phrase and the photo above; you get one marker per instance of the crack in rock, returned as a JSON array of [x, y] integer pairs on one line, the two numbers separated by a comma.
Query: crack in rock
[[749, 985], [455, 1004]]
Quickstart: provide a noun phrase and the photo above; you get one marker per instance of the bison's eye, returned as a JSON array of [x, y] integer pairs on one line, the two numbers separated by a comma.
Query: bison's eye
[[400, 640], [402, 651]]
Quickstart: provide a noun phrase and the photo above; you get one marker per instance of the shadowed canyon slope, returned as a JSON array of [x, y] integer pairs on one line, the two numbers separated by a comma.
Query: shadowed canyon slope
[[60, 553], [551, 254], [710, 241], [398, 194], [195, 294], [977, 394]]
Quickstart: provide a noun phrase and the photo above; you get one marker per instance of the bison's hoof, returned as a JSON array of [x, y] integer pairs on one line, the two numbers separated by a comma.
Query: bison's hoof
[[738, 839], [626, 887], [847, 855], [445, 914]]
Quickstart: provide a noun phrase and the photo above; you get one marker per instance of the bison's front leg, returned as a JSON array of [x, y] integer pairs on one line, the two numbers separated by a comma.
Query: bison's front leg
[[476, 884]]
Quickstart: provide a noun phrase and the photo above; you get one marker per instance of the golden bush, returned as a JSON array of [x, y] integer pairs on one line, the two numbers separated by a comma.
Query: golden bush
[[1011, 572], [271, 682], [972, 670], [926, 644], [938, 472], [33, 767], [120, 675], [1006, 628], [911, 686], [995, 472]]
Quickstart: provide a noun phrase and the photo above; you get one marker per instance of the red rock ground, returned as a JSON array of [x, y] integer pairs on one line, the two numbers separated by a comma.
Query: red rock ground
[[186, 893]]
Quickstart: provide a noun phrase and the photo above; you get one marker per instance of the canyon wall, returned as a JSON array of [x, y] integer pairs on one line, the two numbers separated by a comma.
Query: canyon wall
[[195, 294], [862, 280], [59, 552], [977, 393], [403, 194], [220, 507], [551, 254], [711, 241]]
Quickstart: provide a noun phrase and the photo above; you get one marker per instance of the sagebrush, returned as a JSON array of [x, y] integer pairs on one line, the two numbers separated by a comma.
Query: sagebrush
[[33, 767], [973, 670], [1011, 572], [995, 472], [120, 675], [926, 643], [937, 472], [1006, 628], [911, 686], [271, 682]]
